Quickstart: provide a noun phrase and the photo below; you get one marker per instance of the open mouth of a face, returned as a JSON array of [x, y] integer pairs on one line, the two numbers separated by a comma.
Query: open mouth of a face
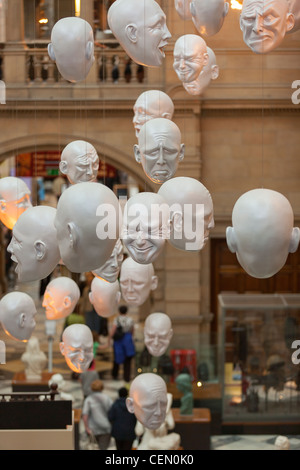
[[161, 48]]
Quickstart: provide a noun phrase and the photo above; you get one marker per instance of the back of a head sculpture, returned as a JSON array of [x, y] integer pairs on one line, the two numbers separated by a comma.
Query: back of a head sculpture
[[208, 16]]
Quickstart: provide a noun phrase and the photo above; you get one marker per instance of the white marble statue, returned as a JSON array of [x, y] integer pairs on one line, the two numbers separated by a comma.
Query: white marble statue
[[110, 270], [105, 297], [148, 400], [17, 315], [77, 347], [191, 212], [208, 17], [208, 73], [87, 224], [136, 281], [34, 245], [79, 161], [264, 24], [34, 359], [183, 9], [72, 48], [159, 149], [190, 56], [61, 388], [262, 233], [14, 200], [282, 443], [158, 333], [141, 29], [149, 105], [60, 297]]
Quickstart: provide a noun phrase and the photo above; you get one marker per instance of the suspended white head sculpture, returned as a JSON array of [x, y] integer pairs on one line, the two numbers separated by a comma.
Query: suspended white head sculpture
[[17, 315], [208, 73], [158, 333], [148, 400], [87, 223], [14, 200], [72, 48], [77, 347], [136, 281], [111, 268], [264, 24], [190, 56], [145, 226], [262, 233], [149, 105], [191, 212], [183, 9], [208, 16], [159, 149], [140, 27], [34, 245], [60, 297], [79, 161], [105, 297]]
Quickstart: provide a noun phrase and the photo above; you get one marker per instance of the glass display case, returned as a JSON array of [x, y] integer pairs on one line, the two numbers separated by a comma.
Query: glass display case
[[259, 374]]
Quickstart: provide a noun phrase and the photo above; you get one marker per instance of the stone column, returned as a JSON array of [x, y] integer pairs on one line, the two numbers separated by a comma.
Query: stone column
[[3, 6], [15, 47]]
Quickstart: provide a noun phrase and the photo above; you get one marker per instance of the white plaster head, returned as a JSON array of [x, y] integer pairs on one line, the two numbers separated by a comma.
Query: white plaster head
[[294, 7], [72, 48], [262, 233], [208, 16], [264, 24], [190, 56], [149, 105], [33, 244], [77, 347], [282, 443], [208, 73], [158, 333], [148, 400], [159, 149], [17, 315], [136, 281], [87, 224], [14, 199], [60, 297], [145, 226], [105, 297], [141, 29], [110, 270], [183, 9], [191, 212], [79, 161]]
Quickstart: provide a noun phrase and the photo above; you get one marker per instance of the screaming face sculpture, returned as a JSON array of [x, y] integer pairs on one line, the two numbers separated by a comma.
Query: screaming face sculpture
[[17, 315], [264, 24], [208, 17], [159, 149], [60, 298], [157, 333], [190, 56], [149, 105], [136, 281], [77, 347], [79, 162], [14, 200], [140, 27], [262, 234]]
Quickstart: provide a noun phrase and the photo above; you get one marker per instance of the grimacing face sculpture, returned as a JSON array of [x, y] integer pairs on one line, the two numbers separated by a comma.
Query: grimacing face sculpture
[[149, 105], [105, 297], [77, 347], [148, 400], [208, 17], [190, 56], [136, 281], [17, 315], [159, 149], [140, 27], [157, 333], [14, 200], [208, 73], [72, 48], [262, 233], [79, 161], [111, 268], [33, 244], [145, 226], [264, 24], [60, 297]]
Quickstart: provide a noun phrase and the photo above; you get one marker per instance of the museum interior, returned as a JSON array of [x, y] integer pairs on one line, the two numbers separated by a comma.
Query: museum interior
[[230, 365]]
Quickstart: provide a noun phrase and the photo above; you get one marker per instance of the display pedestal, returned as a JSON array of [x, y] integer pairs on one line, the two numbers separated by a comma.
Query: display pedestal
[[21, 384], [194, 430]]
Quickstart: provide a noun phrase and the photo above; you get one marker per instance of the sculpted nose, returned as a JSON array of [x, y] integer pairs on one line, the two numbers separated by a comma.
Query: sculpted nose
[[167, 34], [258, 24]]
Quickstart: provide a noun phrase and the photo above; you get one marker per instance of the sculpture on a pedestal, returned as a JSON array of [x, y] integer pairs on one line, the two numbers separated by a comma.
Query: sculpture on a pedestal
[[34, 359]]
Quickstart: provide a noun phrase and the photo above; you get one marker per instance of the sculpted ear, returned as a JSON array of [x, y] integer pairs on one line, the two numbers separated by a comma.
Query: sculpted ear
[[67, 301], [181, 153], [131, 32], [2, 205], [63, 166], [137, 153], [205, 59], [167, 115], [231, 239], [22, 319], [40, 249], [295, 238], [72, 234], [154, 282], [51, 52], [89, 50], [290, 21], [129, 405], [226, 9], [214, 72], [177, 221], [62, 348]]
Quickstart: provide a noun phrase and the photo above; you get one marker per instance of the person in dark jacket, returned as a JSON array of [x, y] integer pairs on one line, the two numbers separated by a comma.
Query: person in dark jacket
[[123, 422]]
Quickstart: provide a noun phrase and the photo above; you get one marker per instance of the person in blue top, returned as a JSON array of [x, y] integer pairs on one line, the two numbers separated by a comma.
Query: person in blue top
[[123, 423]]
